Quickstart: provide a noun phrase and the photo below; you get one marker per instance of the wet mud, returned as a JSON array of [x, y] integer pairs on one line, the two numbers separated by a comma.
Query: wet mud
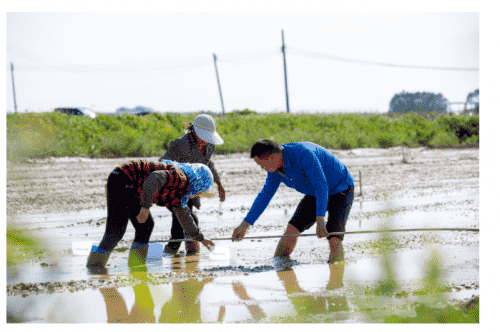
[[62, 200]]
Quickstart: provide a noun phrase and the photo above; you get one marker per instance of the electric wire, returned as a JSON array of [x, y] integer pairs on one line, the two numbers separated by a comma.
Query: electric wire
[[298, 51], [247, 59], [61, 66], [46, 63]]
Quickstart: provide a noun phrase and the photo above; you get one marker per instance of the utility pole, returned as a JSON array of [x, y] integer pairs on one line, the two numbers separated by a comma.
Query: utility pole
[[218, 83], [13, 86], [284, 63]]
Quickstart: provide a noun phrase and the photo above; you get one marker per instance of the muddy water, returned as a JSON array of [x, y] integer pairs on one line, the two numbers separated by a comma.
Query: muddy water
[[218, 221], [275, 294], [253, 287], [436, 189]]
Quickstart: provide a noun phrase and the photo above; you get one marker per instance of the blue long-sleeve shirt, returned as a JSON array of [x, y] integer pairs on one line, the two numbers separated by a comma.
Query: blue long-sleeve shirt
[[309, 169]]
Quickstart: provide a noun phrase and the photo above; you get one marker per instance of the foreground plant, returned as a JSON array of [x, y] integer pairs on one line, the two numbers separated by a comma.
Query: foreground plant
[[23, 246]]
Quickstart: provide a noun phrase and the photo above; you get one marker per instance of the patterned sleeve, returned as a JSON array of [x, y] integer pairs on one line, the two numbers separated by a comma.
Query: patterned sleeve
[[187, 223], [152, 186], [211, 165]]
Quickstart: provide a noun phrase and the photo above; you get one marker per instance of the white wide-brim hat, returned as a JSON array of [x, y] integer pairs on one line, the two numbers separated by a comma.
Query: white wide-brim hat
[[204, 127]]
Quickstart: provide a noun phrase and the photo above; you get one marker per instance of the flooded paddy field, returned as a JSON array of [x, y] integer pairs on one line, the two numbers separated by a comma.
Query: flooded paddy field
[[61, 200]]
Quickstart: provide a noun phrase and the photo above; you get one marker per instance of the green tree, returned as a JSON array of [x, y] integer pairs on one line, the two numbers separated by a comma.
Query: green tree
[[406, 102], [473, 98]]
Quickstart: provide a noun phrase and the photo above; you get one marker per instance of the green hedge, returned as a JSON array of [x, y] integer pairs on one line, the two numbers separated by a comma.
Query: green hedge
[[55, 134]]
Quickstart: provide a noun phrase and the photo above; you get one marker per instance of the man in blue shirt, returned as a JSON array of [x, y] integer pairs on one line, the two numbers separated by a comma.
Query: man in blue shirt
[[313, 171]]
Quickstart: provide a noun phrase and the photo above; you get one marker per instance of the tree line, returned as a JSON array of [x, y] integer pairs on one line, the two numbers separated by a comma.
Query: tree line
[[407, 102]]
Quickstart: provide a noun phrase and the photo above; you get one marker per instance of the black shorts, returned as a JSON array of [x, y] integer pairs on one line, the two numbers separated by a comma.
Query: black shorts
[[339, 206]]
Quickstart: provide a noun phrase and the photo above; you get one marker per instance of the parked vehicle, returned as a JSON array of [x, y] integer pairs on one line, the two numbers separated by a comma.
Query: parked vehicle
[[80, 111], [139, 110]]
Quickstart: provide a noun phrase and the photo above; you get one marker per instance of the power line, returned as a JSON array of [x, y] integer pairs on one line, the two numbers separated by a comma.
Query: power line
[[137, 68], [61, 66], [336, 58], [149, 86], [166, 69], [247, 58], [72, 68]]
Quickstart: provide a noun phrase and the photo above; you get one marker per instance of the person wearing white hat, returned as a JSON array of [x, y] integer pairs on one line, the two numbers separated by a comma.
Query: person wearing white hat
[[196, 146]]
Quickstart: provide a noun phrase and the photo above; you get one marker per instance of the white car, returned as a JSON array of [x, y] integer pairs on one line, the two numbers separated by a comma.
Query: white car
[[81, 111]]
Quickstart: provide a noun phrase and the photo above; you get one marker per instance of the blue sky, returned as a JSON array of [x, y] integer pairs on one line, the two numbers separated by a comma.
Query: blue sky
[[164, 60]]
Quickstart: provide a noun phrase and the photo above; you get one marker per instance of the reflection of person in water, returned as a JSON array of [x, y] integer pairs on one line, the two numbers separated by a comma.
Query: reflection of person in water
[[184, 306], [310, 304], [255, 310], [141, 312]]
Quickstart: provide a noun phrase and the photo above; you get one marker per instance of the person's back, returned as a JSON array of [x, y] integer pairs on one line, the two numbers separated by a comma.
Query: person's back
[[183, 150], [336, 173]]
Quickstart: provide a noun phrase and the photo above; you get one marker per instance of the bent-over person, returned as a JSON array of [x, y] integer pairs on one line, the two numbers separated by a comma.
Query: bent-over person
[[316, 173], [132, 188]]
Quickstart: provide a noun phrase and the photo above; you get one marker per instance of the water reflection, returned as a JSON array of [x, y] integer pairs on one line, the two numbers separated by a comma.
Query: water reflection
[[141, 312], [256, 312], [307, 304], [289, 293], [184, 305], [116, 309], [250, 298]]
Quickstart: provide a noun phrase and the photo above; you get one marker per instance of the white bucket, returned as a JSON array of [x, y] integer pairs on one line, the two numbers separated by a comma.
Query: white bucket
[[81, 248], [155, 251], [223, 253]]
